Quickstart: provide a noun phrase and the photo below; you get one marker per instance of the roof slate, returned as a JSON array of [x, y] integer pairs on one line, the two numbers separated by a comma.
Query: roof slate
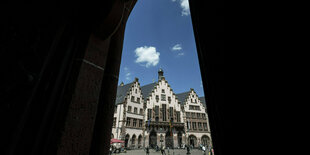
[[122, 92], [203, 101], [182, 97], [147, 89]]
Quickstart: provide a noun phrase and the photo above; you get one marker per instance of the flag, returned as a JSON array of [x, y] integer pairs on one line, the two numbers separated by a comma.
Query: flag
[[148, 123]]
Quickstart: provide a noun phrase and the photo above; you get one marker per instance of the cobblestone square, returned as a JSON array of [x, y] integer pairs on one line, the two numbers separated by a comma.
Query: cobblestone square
[[153, 152]]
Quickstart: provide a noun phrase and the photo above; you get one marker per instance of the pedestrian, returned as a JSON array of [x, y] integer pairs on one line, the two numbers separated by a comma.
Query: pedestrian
[[147, 151], [110, 150], [163, 150], [204, 150]]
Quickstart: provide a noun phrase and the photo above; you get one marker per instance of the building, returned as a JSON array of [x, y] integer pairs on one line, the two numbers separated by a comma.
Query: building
[[153, 115], [164, 121], [195, 119], [129, 115]]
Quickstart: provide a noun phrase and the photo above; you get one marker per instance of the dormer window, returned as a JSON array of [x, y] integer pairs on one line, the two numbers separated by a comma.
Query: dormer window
[[157, 98]]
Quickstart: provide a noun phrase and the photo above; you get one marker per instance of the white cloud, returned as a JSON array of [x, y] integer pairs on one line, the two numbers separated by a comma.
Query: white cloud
[[185, 7], [147, 55], [127, 73], [177, 47], [180, 54]]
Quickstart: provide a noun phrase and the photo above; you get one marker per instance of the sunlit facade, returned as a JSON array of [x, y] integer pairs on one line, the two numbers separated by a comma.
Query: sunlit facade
[[153, 115]]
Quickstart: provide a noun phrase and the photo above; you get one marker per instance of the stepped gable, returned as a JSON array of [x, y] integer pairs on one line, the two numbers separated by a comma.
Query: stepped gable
[[182, 97], [122, 92]]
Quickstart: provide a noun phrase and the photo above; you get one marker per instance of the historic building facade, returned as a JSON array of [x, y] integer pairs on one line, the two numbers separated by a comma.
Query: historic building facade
[[195, 119], [128, 123], [153, 115], [164, 120]]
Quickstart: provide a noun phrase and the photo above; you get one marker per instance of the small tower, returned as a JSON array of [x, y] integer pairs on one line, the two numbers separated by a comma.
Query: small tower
[[160, 74]]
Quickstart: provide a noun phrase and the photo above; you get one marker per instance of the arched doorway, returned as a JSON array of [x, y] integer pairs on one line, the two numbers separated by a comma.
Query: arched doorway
[[126, 140], [180, 139], [133, 141], [169, 139], [205, 140], [192, 140], [139, 141], [153, 139]]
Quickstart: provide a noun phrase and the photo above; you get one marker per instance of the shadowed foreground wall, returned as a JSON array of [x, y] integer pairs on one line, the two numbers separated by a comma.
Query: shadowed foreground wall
[[56, 57]]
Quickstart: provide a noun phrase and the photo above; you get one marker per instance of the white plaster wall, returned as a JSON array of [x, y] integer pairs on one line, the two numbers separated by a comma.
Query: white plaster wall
[[163, 84]]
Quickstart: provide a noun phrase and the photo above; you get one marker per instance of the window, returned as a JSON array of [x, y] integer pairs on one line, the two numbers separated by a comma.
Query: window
[[132, 98], [194, 126], [178, 116], [128, 121], [157, 98], [163, 91], [141, 111], [156, 110], [193, 115], [129, 109], [198, 115], [203, 116], [197, 108], [164, 112], [163, 97], [205, 126], [140, 123], [169, 99], [135, 110], [134, 124], [114, 121], [136, 91], [199, 125], [188, 125], [149, 114], [138, 100], [171, 112], [188, 115]]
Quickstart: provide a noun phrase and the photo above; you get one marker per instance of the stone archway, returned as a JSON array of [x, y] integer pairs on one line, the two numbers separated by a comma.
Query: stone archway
[[180, 139], [153, 139], [139, 141], [133, 141], [192, 141], [205, 140], [126, 140], [169, 139]]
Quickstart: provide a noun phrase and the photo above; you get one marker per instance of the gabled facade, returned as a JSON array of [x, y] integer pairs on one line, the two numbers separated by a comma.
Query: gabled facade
[[128, 124], [195, 119], [163, 115], [153, 115]]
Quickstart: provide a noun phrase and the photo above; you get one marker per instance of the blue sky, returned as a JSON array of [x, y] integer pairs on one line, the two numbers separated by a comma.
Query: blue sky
[[159, 34]]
